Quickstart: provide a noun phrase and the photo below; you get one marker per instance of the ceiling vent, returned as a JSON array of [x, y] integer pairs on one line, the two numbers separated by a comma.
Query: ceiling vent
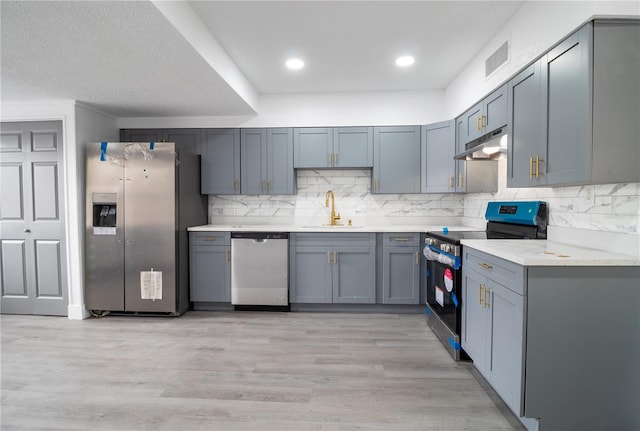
[[497, 59]]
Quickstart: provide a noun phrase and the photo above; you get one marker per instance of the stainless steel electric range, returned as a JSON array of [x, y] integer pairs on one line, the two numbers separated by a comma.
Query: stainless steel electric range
[[443, 251]]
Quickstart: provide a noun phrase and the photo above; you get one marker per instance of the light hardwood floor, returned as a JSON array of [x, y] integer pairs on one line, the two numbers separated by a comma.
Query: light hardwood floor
[[239, 371]]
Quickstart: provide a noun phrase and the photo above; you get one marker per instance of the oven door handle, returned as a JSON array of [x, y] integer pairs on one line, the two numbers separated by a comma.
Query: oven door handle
[[435, 254]]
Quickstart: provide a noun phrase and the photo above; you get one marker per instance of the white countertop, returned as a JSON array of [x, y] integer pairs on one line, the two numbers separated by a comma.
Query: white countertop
[[549, 253], [406, 228]]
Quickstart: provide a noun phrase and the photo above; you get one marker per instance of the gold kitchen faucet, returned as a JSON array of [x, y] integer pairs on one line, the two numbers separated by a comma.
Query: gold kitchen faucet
[[334, 217]]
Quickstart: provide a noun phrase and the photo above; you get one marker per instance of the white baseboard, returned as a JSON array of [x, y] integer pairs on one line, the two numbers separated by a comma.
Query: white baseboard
[[77, 312]]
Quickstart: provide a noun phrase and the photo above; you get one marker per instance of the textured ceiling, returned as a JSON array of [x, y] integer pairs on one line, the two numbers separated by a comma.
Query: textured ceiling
[[128, 59]]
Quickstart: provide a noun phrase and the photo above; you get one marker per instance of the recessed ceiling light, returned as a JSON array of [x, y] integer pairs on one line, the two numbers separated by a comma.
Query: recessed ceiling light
[[294, 64], [405, 60]]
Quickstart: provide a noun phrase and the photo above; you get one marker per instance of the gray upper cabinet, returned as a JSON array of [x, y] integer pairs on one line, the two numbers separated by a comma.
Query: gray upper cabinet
[[485, 117], [339, 147], [220, 162], [353, 147], [312, 147], [189, 140], [442, 174], [267, 161], [438, 165], [396, 159], [573, 118]]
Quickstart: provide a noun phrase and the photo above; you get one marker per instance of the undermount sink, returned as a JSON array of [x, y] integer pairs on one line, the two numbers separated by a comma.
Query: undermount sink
[[328, 226]]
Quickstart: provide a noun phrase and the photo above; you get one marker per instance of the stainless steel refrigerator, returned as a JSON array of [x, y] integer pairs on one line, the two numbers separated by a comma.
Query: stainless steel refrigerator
[[140, 198]]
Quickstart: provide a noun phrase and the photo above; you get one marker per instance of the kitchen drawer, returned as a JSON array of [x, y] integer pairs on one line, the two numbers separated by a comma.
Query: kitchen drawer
[[209, 238], [334, 239], [400, 239], [502, 271]]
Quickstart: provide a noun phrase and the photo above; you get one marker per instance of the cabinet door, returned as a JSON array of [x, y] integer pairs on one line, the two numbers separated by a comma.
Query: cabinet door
[[568, 110], [475, 320], [354, 275], [253, 161], [396, 159], [210, 274], [187, 140], [526, 138], [400, 272], [506, 310], [353, 147], [438, 149], [311, 274], [312, 147], [495, 110], [280, 178], [472, 124], [141, 135], [221, 162]]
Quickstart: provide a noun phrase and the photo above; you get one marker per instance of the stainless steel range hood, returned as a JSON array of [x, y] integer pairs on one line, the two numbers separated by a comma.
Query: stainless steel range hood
[[486, 147]]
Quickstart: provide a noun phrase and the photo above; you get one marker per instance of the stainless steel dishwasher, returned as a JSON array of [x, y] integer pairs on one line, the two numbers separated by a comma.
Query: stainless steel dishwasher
[[260, 270]]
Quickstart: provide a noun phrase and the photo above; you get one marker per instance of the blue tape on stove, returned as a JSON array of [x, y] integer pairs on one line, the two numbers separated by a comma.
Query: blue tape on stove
[[456, 346], [427, 311], [103, 151], [454, 298], [456, 259], [152, 145]]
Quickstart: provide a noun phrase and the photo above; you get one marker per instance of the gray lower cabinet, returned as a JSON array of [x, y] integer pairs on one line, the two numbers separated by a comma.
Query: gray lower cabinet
[[493, 324], [330, 268], [401, 268], [266, 163], [210, 267], [549, 340], [220, 162], [396, 159], [566, 108]]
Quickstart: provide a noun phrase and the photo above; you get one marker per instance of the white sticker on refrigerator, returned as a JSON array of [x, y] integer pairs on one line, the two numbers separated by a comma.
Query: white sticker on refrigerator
[[440, 296], [151, 285]]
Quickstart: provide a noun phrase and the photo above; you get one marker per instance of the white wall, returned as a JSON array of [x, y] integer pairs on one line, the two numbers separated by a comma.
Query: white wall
[[334, 109], [535, 27], [91, 126]]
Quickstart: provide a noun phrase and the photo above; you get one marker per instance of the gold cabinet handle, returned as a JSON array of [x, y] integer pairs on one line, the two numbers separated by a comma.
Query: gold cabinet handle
[[236, 183], [263, 186], [460, 181], [480, 294], [401, 239], [330, 157], [335, 257], [486, 291], [479, 123], [376, 185], [210, 238], [538, 160], [530, 167], [417, 258], [328, 256], [335, 158], [226, 256], [451, 182], [269, 185], [485, 265]]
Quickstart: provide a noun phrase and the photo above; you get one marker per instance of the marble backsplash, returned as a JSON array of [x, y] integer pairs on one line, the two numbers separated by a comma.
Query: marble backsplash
[[352, 190], [608, 208]]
